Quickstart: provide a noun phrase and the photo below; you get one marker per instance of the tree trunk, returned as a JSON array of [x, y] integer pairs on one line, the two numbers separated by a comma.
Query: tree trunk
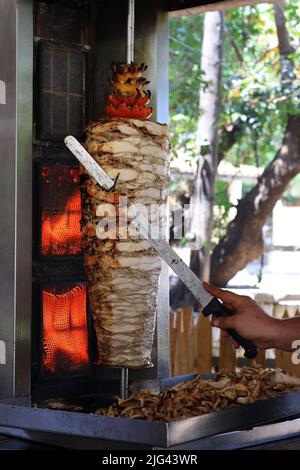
[[284, 44], [202, 200], [243, 241]]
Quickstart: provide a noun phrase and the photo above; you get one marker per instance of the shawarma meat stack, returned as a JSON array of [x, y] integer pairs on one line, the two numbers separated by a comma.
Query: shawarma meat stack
[[121, 268]]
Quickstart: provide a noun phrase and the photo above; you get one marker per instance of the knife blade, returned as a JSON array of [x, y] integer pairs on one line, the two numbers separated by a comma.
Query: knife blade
[[210, 305]]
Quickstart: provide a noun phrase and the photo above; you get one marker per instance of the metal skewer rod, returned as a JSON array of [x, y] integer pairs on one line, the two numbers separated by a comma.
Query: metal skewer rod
[[130, 31], [124, 383]]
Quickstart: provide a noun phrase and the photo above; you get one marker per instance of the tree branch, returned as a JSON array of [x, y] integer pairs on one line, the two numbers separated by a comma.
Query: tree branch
[[228, 136], [285, 48], [265, 53], [234, 46], [183, 44]]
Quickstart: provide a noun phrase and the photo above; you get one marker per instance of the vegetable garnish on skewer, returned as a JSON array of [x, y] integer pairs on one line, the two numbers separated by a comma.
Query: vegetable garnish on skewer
[[129, 100]]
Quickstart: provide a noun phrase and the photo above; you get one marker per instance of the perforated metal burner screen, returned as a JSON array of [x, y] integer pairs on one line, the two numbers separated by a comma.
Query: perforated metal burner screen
[[65, 332]]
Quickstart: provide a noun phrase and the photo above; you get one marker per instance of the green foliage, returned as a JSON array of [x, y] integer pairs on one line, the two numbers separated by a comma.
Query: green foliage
[[252, 90], [185, 81], [252, 93]]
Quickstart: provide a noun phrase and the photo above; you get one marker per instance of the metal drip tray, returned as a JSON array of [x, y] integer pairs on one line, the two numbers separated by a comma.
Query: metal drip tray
[[100, 431]]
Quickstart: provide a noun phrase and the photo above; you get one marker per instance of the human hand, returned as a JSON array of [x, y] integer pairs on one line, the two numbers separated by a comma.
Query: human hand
[[247, 318]]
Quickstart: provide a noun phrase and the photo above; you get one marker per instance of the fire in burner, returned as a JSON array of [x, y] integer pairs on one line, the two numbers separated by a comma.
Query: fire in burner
[[61, 212], [65, 336]]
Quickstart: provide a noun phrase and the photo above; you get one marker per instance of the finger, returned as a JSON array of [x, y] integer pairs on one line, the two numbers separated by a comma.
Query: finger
[[224, 322], [234, 344], [225, 334], [224, 295], [214, 319], [227, 337]]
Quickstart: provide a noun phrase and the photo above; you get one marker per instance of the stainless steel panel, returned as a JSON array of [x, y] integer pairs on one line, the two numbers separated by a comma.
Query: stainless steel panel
[[23, 192], [243, 439], [7, 185], [152, 47], [15, 200]]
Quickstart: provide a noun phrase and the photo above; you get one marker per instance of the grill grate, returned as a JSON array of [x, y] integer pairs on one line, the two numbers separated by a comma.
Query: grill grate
[[61, 109]]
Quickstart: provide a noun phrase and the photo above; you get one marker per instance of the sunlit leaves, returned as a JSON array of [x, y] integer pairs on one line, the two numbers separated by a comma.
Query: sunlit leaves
[[252, 92], [185, 81]]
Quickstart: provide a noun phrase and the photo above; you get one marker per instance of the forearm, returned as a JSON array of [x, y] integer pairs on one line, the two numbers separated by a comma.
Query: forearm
[[285, 333]]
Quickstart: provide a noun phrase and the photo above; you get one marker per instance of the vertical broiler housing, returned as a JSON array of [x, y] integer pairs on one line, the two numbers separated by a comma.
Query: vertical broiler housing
[[123, 270]]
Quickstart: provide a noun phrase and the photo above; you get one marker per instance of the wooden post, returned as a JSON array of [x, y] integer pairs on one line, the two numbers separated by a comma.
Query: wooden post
[[172, 341], [204, 345], [194, 344], [295, 368], [182, 346], [261, 357], [180, 352], [283, 359], [266, 302], [227, 359], [188, 337]]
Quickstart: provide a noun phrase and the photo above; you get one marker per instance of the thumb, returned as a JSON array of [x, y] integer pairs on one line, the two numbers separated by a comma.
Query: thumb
[[224, 323]]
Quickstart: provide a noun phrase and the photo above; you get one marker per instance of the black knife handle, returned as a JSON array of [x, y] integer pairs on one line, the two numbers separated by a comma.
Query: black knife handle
[[215, 307]]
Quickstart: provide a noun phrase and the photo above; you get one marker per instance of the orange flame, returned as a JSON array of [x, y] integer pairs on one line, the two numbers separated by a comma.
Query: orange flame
[[61, 233], [65, 330]]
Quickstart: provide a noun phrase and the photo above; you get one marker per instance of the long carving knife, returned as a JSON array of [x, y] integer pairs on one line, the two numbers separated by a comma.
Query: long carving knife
[[210, 305]]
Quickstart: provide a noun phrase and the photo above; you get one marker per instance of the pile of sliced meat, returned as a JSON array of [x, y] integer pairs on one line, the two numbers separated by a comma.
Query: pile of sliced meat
[[198, 397], [121, 268]]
